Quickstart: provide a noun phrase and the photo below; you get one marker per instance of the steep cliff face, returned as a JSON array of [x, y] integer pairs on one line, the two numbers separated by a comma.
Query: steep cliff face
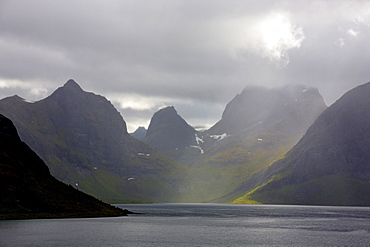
[[84, 141], [330, 165], [29, 191]]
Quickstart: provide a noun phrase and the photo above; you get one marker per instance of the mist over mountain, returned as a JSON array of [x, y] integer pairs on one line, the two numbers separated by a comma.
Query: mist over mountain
[[29, 191], [289, 108], [84, 141], [258, 126], [279, 145], [330, 165]]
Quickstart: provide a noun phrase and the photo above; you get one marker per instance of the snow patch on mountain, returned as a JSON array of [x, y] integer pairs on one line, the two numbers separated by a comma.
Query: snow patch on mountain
[[198, 140], [142, 154], [219, 137], [28, 101], [198, 147]]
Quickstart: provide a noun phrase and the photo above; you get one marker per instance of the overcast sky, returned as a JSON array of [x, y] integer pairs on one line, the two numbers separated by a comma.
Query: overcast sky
[[193, 54]]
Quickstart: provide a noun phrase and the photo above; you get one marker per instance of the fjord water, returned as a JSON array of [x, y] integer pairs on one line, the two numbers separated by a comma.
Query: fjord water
[[200, 225]]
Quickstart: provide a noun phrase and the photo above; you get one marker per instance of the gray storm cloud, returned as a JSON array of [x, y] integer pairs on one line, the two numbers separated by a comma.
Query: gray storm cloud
[[191, 54]]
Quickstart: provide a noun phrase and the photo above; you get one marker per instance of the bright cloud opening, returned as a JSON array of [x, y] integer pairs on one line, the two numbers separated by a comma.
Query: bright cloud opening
[[340, 42], [142, 103], [10, 83], [133, 101], [276, 35], [39, 92], [353, 33]]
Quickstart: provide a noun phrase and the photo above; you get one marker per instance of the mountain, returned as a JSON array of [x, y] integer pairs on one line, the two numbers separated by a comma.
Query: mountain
[[288, 109], [29, 191], [139, 134], [257, 127], [84, 141], [170, 133], [330, 165]]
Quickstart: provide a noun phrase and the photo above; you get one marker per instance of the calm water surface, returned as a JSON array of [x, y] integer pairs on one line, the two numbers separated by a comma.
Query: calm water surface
[[200, 225]]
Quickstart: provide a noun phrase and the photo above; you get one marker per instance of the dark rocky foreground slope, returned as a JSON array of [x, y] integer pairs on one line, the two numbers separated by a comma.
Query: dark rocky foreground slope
[[28, 190], [330, 165], [84, 141]]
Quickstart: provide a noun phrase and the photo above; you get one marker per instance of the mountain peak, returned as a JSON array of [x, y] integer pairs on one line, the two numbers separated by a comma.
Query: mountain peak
[[168, 109], [140, 133], [71, 84], [168, 130], [164, 116], [15, 98]]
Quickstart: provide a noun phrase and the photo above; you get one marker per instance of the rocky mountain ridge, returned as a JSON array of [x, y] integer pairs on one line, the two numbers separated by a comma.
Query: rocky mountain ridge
[[258, 126], [84, 141], [245, 155]]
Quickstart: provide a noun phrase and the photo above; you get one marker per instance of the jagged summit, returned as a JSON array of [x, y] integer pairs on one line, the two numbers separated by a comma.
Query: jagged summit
[[165, 116], [168, 130], [140, 133], [71, 84], [15, 98], [70, 90], [168, 108]]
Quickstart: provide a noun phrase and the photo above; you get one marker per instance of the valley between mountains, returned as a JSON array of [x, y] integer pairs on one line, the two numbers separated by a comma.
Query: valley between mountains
[[272, 145]]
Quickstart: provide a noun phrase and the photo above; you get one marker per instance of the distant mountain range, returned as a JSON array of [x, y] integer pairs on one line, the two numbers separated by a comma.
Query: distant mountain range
[[330, 165], [280, 145], [258, 126], [29, 191], [84, 141]]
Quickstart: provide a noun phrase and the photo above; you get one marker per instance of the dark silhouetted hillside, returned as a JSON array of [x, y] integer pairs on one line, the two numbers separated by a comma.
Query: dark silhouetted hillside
[[28, 190]]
